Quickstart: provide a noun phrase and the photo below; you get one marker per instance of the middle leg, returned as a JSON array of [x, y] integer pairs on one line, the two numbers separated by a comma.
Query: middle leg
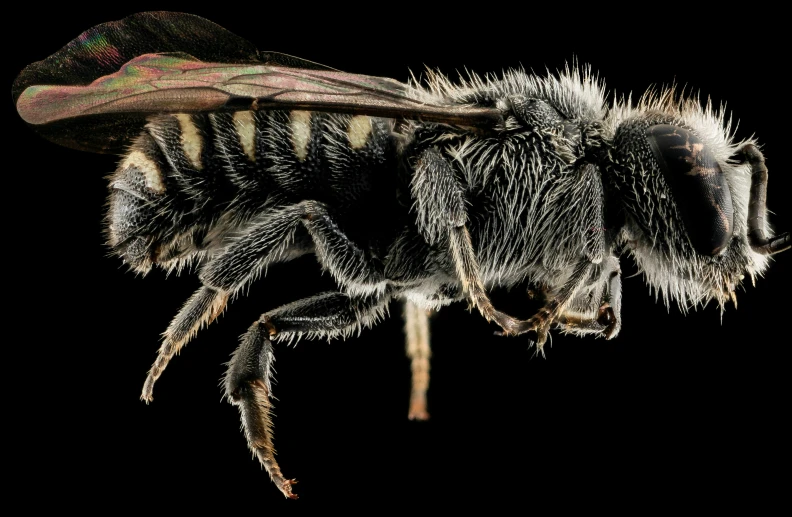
[[416, 326]]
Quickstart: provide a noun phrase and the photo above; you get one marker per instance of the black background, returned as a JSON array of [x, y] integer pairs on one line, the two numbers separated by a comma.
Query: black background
[[675, 406]]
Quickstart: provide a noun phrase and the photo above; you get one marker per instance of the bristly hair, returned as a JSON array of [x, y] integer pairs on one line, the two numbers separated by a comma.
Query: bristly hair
[[575, 91], [514, 168], [674, 272]]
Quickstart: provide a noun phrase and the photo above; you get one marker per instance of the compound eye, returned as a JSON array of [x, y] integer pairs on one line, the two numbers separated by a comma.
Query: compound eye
[[698, 186]]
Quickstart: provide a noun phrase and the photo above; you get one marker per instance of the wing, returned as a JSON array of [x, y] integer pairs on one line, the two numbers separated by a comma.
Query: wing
[[96, 93]]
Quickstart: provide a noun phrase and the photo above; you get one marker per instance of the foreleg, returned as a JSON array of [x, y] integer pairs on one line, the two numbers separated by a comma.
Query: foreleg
[[248, 381], [440, 207], [608, 317], [541, 321]]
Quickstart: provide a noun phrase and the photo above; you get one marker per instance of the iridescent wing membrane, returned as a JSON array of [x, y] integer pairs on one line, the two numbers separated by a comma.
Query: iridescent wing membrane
[[96, 93]]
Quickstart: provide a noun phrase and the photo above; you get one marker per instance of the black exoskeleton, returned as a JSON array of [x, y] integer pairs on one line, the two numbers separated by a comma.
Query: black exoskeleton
[[237, 160]]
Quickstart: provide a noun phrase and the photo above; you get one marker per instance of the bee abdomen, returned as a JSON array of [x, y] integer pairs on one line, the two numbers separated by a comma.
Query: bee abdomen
[[190, 181], [166, 193], [301, 155], [135, 190]]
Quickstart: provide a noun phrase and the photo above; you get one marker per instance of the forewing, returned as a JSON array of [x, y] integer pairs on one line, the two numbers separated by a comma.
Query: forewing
[[156, 83], [97, 92], [104, 49]]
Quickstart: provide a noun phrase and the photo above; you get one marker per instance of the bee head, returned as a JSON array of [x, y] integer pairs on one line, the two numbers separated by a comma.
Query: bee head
[[693, 221]]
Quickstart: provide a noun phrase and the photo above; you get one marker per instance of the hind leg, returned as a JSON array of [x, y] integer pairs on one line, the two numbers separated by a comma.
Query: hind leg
[[265, 242], [248, 381]]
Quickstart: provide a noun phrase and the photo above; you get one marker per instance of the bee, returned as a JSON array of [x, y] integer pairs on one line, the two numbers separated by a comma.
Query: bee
[[235, 160]]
